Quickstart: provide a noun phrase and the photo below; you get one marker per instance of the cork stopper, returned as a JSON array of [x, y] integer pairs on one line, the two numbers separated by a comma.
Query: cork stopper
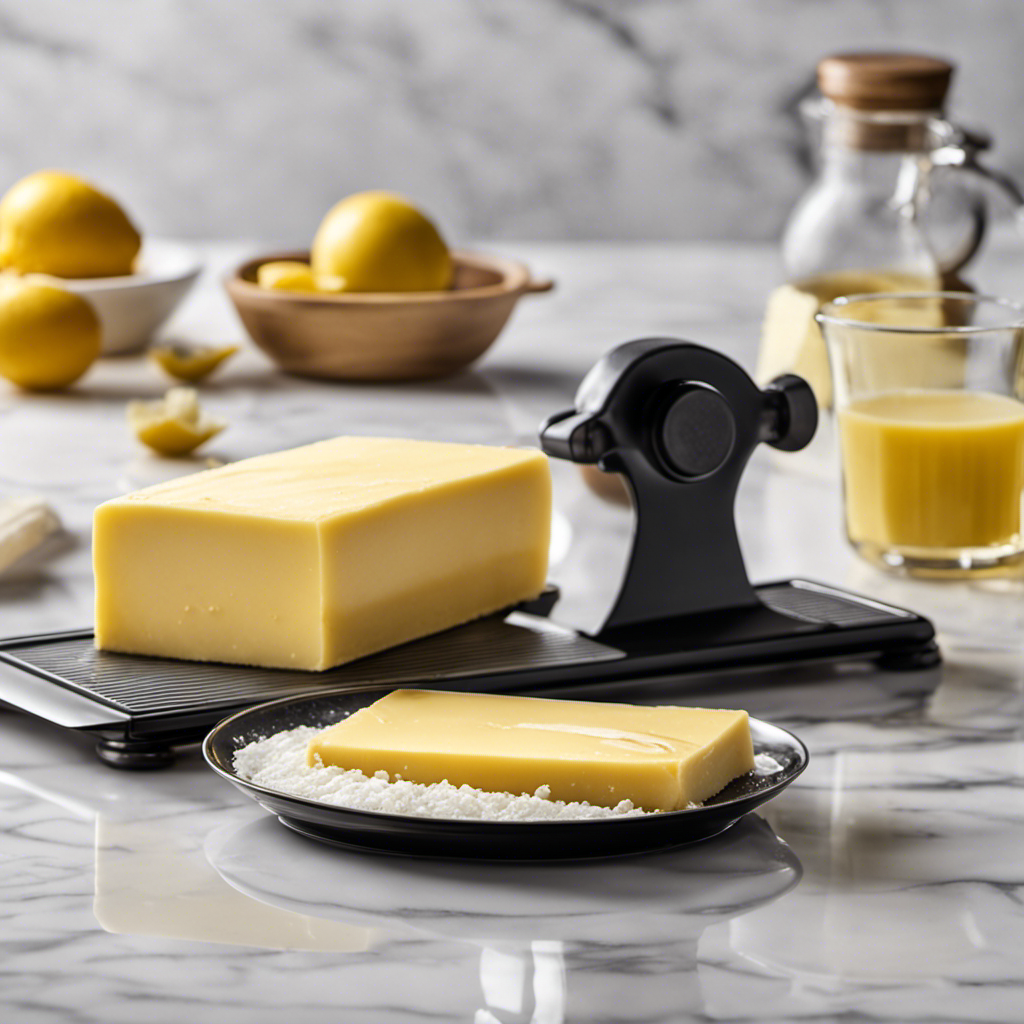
[[885, 81], [883, 100]]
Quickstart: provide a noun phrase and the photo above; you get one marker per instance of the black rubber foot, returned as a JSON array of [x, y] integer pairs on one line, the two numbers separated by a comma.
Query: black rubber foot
[[134, 756], [912, 659]]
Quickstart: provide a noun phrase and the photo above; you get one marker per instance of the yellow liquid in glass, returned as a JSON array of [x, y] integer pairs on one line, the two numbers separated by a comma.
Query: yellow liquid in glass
[[933, 469]]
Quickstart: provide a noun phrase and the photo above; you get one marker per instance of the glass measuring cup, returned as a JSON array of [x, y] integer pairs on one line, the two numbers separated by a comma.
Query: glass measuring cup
[[928, 390]]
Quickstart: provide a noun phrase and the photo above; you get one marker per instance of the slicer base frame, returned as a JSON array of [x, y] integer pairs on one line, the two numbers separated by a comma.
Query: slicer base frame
[[140, 709]]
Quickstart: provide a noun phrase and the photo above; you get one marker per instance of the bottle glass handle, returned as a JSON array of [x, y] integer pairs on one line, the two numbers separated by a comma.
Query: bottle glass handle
[[959, 147]]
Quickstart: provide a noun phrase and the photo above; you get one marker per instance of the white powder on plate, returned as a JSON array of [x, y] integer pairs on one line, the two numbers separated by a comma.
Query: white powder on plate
[[279, 762], [765, 764]]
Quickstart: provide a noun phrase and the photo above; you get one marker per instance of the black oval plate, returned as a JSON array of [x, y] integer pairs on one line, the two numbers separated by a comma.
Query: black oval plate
[[492, 840]]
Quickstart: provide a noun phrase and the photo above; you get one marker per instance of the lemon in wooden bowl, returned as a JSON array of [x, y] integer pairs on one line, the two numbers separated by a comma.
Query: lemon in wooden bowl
[[380, 242], [379, 297]]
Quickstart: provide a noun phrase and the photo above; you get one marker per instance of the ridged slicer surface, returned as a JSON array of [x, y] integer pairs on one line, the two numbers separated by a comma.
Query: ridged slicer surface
[[815, 603], [141, 685]]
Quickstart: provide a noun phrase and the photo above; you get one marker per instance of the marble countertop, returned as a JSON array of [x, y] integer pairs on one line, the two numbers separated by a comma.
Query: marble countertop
[[884, 885]]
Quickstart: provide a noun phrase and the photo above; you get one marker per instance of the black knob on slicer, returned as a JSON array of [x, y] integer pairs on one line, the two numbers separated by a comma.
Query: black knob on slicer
[[696, 431], [790, 415]]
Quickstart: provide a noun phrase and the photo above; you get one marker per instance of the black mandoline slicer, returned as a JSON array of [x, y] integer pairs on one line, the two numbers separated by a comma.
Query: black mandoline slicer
[[679, 422]]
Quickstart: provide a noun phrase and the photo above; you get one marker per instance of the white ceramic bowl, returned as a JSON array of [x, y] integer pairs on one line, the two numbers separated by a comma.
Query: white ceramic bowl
[[131, 308]]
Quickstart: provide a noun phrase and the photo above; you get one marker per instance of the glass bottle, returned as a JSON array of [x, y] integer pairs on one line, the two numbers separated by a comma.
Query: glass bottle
[[889, 210]]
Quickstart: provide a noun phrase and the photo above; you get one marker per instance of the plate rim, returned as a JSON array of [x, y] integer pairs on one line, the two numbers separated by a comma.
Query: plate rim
[[476, 823]]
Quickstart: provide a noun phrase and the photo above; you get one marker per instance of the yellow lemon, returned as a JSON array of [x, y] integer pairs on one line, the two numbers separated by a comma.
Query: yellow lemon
[[54, 223], [190, 362], [48, 336], [172, 425], [379, 242]]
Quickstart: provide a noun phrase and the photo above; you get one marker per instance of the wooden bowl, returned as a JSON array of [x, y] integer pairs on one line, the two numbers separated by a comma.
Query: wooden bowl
[[385, 335]]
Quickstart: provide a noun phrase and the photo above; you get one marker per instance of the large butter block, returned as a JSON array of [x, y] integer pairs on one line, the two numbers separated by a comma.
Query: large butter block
[[316, 556], [661, 758]]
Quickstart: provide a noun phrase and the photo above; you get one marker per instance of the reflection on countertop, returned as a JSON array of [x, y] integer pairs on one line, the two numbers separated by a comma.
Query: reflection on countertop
[[909, 829], [152, 879], [548, 932], [637, 898]]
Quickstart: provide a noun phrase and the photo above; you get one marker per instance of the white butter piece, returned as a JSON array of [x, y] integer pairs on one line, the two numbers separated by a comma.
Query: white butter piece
[[25, 523]]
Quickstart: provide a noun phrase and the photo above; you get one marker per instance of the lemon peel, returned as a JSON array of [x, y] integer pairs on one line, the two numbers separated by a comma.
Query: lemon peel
[[329, 284], [190, 363], [286, 276], [380, 242], [173, 425], [49, 336]]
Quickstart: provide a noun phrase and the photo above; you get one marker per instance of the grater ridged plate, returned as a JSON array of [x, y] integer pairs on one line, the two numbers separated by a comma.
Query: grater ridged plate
[[156, 686], [813, 602]]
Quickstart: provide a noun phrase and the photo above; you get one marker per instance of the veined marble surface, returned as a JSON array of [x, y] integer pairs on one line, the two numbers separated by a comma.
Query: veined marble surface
[[506, 119], [884, 885]]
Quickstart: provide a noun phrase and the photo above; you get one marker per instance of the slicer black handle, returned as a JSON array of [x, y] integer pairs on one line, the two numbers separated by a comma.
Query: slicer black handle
[[679, 421], [577, 438]]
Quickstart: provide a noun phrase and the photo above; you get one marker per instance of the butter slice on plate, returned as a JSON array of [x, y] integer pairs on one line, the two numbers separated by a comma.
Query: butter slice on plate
[[660, 758], [319, 555]]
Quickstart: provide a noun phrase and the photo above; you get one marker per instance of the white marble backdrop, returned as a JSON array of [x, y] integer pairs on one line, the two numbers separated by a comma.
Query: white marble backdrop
[[507, 118]]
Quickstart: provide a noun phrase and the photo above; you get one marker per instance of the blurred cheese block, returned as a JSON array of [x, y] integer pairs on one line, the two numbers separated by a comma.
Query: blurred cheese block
[[25, 523], [791, 341], [660, 758], [313, 557]]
